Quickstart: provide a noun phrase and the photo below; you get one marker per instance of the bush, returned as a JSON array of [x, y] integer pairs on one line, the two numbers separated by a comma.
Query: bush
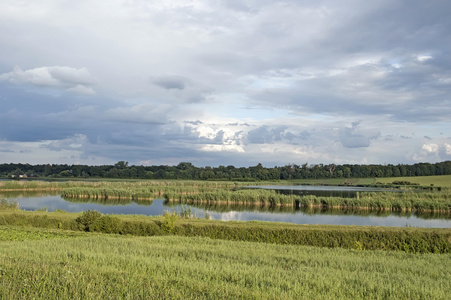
[[87, 219], [169, 220], [106, 224], [140, 228]]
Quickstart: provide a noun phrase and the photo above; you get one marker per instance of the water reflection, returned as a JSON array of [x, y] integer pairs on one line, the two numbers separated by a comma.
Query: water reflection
[[288, 214], [109, 201], [311, 211], [322, 190], [27, 194]]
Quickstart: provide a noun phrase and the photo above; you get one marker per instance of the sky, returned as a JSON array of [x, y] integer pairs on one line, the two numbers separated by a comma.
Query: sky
[[225, 82]]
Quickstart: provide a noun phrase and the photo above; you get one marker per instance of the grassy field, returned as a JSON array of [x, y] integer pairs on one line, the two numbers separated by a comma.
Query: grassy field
[[442, 181], [62, 255], [61, 265]]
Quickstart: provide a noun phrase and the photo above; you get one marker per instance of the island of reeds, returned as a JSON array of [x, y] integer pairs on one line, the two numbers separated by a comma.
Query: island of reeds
[[226, 192]]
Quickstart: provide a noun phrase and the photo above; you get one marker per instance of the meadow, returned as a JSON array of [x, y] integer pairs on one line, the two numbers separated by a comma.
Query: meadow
[[60, 255], [61, 265]]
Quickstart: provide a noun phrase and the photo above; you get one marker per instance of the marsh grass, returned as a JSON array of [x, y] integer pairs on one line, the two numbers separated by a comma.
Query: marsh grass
[[247, 196], [114, 267], [224, 192], [8, 204], [392, 201]]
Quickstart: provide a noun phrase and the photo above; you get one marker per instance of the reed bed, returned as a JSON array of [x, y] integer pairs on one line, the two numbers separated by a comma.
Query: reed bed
[[393, 201], [108, 193], [145, 190], [223, 192], [8, 205], [249, 196], [31, 186], [159, 186]]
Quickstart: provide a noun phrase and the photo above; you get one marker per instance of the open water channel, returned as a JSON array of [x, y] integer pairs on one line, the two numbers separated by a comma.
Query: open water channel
[[33, 201]]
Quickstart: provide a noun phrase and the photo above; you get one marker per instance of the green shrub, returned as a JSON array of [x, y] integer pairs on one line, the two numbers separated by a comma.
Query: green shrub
[[169, 220], [87, 219], [140, 228], [106, 224]]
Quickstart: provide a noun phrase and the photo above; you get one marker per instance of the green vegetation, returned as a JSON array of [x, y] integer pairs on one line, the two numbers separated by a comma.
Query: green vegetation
[[224, 192], [21, 234], [414, 240], [247, 196], [90, 255], [8, 205], [188, 171], [437, 181], [395, 201], [115, 267]]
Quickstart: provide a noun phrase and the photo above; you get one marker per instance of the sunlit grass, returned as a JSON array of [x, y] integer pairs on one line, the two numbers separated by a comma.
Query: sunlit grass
[[440, 181], [169, 267]]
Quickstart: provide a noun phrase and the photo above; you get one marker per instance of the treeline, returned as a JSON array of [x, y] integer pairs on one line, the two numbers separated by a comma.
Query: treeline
[[186, 170]]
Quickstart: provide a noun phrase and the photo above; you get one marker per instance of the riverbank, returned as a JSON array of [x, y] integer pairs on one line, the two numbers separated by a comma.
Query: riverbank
[[416, 240]]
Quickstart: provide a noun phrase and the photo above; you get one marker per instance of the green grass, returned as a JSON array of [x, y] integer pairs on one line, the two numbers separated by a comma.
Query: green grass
[[8, 233], [438, 181], [169, 267], [411, 240], [441, 181]]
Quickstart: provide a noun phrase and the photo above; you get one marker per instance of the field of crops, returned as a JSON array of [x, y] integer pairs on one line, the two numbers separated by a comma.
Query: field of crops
[[93, 266]]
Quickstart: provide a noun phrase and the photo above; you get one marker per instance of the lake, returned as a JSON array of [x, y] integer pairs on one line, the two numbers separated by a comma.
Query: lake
[[322, 190], [30, 201]]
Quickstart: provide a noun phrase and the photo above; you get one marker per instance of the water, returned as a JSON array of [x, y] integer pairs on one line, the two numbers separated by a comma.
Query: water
[[321, 190], [240, 213]]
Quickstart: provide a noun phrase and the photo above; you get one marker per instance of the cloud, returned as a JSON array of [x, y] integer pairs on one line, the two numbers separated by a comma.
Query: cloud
[[170, 83], [76, 142], [448, 149], [266, 135], [71, 79], [140, 113], [355, 137], [81, 89], [226, 82], [430, 148]]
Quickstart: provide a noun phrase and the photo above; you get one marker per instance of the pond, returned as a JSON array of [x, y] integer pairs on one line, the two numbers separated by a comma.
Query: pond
[[238, 213], [322, 190]]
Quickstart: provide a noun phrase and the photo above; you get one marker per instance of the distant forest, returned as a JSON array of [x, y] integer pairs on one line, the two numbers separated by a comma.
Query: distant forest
[[186, 170]]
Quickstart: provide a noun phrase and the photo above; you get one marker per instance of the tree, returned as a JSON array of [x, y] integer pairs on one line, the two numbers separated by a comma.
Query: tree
[[332, 168], [121, 164], [17, 173]]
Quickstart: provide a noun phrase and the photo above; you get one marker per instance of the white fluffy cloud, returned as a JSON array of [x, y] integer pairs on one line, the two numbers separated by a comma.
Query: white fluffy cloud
[[71, 79]]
